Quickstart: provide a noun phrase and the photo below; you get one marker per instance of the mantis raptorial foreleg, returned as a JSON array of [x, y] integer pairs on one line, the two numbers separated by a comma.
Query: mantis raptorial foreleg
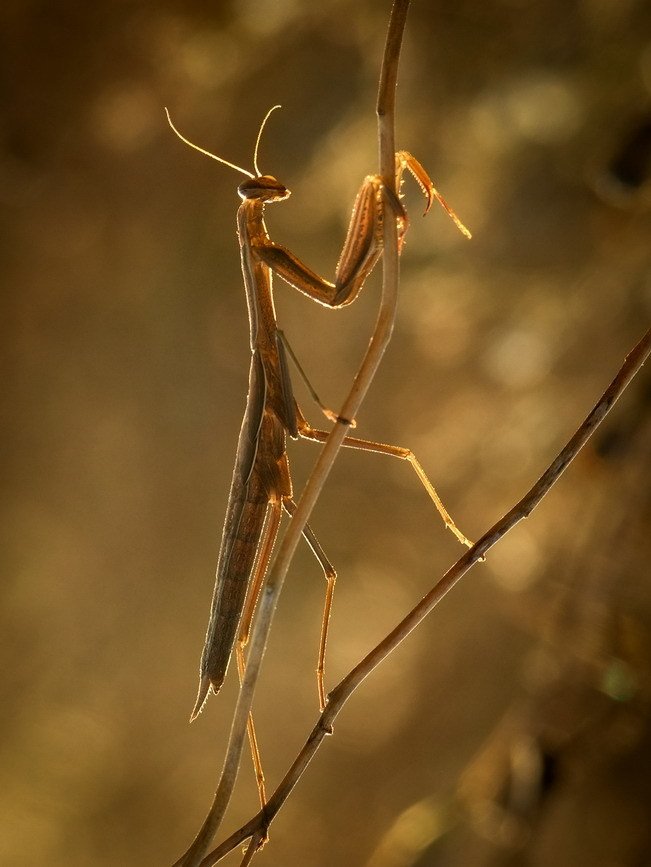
[[363, 244]]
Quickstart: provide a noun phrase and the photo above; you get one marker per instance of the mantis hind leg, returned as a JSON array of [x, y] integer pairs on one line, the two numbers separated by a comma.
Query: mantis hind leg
[[331, 578], [263, 558]]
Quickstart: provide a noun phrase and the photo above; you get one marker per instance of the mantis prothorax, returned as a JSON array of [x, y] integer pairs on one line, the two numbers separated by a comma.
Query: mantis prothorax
[[261, 486]]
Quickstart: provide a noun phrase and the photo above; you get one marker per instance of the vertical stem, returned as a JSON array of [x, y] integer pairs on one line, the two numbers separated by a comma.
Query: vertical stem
[[370, 363], [386, 99]]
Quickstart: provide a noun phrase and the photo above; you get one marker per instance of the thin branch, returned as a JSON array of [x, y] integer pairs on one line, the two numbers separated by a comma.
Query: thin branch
[[252, 848], [377, 345], [342, 692]]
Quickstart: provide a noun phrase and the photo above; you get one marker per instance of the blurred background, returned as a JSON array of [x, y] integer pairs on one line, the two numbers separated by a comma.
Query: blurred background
[[512, 727]]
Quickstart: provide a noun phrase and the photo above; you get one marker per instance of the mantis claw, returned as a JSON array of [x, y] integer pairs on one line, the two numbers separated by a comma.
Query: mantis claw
[[405, 160]]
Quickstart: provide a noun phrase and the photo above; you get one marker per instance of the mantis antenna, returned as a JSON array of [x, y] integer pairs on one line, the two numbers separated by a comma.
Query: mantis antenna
[[207, 153], [221, 159], [257, 141]]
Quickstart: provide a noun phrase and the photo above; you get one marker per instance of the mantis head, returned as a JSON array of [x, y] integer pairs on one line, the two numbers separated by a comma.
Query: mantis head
[[265, 188]]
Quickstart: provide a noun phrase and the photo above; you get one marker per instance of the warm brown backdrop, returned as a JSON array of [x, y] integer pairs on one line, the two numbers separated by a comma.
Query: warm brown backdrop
[[124, 346]]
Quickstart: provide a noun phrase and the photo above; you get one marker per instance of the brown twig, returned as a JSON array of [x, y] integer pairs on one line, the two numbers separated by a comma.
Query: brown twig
[[254, 844], [370, 363], [342, 692]]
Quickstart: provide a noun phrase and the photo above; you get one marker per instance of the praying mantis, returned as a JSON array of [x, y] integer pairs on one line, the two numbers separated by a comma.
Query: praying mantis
[[261, 487]]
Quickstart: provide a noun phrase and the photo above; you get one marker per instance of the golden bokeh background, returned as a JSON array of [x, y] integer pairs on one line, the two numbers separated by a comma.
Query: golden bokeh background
[[512, 727]]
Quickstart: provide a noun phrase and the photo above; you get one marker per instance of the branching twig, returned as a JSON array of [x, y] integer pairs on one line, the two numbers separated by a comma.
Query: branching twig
[[342, 692], [377, 345]]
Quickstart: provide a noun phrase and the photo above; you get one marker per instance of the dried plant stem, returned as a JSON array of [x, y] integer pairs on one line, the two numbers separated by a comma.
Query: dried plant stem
[[377, 345], [342, 692]]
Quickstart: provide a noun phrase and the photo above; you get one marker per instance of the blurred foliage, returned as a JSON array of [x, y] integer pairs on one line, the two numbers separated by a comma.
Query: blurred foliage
[[124, 360]]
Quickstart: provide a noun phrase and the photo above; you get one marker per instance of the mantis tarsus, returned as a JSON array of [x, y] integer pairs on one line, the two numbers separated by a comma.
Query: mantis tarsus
[[261, 486]]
